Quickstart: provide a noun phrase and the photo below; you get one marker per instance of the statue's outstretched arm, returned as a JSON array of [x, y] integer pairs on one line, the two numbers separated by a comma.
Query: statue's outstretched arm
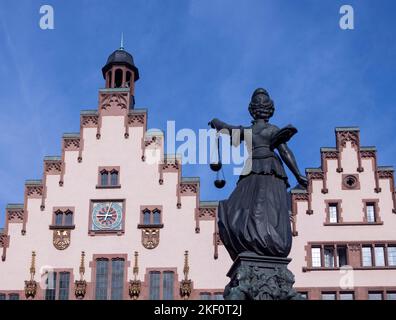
[[289, 159], [226, 128]]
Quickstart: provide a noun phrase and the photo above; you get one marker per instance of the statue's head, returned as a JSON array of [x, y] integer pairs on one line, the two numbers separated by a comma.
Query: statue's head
[[261, 106]]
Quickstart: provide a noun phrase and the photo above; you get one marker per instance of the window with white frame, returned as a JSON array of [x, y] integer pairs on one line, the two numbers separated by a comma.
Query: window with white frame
[[379, 256], [391, 255], [370, 212], [333, 212], [346, 296], [328, 257], [316, 257], [367, 260], [375, 295]]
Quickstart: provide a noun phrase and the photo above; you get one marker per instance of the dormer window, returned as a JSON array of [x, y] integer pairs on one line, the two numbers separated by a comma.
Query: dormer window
[[109, 177]]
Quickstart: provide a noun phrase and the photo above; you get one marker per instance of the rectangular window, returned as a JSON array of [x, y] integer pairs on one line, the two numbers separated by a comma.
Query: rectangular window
[[346, 296], [379, 256], [102, 270], [50, 290], [391, 255], [370, 212], [391, 295], [114, 178], [329, 257], [104, 178], [117, 279], [13, 296], [205, 296], [316, 257], [328, 296], [342, 259], [366, 257], [218, 296], [168, 277], [304, 295], [375, 295], [333, 212], [64, 283], [58, 218], [2, 296], [155, 285]]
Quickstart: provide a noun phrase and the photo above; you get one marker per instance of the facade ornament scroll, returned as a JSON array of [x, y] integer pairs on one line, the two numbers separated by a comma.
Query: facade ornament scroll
[[31, 285], [186, 283], [80, 286], [135, 285]]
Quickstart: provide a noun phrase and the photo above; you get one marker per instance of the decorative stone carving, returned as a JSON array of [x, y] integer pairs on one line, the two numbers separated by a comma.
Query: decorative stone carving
[[256, 277], [134, 119], [135, 285], [330, 154], [80, 286], [351, 181], [367, 154], [188, 188], [15, 216], [89, 121], [315, 175], [34, 191], [207, 213], [31, 285], [185, 284], [301, 196], [72, 144], [150, 238], [118, 99], [344, 136], [53, 167], [382, 174], [61, 239]]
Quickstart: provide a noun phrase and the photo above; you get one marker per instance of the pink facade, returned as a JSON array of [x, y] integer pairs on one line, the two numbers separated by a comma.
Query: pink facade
[[344, 225], [113, 217]]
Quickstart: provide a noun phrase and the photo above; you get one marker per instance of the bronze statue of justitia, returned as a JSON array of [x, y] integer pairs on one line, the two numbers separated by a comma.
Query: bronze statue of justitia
[[255, 219]]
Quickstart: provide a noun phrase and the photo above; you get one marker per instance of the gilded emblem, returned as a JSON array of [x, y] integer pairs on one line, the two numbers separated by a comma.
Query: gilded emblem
[[150, 238], [61, 239]]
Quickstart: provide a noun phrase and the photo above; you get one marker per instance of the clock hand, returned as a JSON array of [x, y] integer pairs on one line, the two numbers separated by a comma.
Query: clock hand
[[108, 210]]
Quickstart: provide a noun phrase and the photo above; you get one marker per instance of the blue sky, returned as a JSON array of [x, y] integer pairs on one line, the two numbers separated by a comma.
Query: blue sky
[[197, 60]]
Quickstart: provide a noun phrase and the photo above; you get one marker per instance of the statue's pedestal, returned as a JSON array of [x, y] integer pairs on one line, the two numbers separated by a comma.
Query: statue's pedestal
[[255, 277]]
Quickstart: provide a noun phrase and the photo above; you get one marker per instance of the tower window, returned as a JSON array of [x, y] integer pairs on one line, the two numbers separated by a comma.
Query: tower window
[[128, 79], [118, 78]]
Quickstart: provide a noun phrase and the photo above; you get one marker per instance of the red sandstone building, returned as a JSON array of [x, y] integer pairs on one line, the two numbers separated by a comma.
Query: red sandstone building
[[105, 223]]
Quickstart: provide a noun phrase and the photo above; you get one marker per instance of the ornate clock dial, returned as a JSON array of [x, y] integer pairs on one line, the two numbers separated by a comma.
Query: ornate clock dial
[[107, 215]]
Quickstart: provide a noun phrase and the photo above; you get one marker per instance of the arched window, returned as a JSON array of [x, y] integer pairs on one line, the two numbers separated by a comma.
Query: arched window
[[108, 79], [128, 79], [104, 178], [156, 216], [68, 218], [118, 78], [146, 216], [114, 178], [58, 218]]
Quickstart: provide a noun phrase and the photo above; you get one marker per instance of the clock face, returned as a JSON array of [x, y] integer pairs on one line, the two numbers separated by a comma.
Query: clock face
[[107, 215]]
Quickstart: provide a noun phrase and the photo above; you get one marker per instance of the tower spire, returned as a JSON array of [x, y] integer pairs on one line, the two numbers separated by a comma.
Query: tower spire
[[122, 41]]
